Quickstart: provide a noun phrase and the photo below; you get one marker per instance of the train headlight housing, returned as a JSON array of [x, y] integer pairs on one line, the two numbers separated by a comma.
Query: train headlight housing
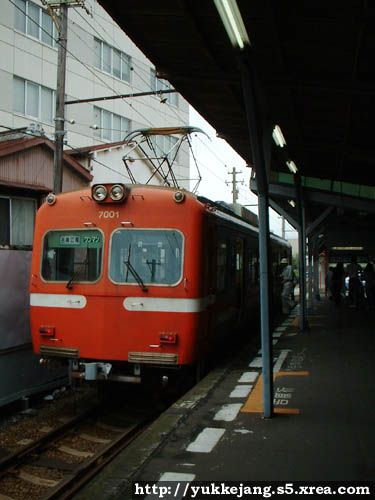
[[99, 192], [51, 199], [179, 196], [109, 193], [117, 192]]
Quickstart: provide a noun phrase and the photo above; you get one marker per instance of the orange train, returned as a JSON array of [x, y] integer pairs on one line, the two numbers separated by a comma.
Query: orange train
[[131, 280]]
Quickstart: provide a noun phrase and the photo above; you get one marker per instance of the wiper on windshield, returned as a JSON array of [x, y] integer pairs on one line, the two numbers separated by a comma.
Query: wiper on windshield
[[69, 285], [136, 276], [76, 273]]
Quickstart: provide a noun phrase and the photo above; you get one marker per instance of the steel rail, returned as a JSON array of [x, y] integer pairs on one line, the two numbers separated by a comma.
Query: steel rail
[[74, 481], [21, 455]]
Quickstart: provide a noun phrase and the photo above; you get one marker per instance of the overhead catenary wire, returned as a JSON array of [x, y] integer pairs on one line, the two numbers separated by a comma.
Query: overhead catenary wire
[[135, 70], [78, 150], [95, 72], [79, 61], [211, 151], [146, 119]]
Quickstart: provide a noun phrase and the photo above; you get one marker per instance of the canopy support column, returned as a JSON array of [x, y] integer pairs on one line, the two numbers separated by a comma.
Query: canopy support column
[[303, 324], [310, 275], [316, 259], [255, 127]]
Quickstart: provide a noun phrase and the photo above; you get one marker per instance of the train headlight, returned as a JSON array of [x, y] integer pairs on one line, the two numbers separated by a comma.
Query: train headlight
[[109, 193], [117, 192], [179, 196], [99, 192], [51, 199]]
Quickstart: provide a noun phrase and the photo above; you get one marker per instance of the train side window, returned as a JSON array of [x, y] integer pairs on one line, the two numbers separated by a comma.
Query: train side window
[[249, 265], [275, 265], [239, 261], [72, 255], [150, 256], [239, 254], [254, 270], [222, 256]]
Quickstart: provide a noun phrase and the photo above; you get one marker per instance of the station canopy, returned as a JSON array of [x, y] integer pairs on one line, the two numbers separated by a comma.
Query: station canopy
[[316, 78]]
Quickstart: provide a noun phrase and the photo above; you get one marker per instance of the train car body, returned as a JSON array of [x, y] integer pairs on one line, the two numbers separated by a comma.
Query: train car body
[[124, 286]]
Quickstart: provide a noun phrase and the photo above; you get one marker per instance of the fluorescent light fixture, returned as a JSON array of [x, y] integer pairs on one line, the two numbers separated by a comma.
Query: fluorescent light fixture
[[344, 249], [292, 166], [278, 137], [231, 17], [292, 203]]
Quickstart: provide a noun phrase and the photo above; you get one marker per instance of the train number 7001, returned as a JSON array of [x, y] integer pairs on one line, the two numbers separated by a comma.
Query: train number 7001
[[109, 214]]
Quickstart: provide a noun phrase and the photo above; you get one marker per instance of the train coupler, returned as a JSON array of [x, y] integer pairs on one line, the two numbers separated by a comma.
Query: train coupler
[[100, 371], [91, 371]]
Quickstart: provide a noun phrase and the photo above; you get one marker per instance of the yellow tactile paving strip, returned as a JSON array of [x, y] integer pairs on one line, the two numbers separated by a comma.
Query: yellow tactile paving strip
[[254, 404]]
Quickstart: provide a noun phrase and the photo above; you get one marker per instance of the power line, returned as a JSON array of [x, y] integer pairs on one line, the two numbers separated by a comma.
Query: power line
[[78, 150], [103, 81], [95, 30], [204, 166], [171, 107], [135, 71], [77, 58], [120, 96], [58, 42], [212, 152]]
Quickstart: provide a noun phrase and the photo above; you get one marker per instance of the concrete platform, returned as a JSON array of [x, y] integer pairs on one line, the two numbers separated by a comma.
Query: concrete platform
[[323, 428], [22, 376]]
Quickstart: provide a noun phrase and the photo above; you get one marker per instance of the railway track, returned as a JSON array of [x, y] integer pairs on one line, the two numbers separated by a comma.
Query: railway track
[[66, 456]]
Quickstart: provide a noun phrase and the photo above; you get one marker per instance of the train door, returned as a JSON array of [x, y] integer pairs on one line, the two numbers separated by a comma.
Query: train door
[[253, 273], [209, 282], [239, 274]]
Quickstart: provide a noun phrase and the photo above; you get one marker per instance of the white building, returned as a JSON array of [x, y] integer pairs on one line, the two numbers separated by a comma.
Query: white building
[[101, 61]]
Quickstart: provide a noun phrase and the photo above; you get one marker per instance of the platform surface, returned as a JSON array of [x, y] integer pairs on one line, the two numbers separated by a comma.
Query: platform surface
[[323, 428]]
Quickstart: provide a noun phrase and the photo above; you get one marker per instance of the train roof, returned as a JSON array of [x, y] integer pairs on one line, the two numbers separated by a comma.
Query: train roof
[[227, 211], [222, 209]]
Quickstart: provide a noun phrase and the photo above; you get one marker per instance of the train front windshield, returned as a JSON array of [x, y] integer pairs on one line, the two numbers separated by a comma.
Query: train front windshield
[[148, 256], [72, 255]]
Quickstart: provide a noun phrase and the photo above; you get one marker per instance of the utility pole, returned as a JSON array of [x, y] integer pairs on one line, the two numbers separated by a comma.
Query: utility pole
[[60, 98], [283, 226], [61, 23], [234, 182]]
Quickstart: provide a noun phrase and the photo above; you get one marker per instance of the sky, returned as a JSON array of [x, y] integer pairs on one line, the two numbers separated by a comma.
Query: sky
[[216, 161]]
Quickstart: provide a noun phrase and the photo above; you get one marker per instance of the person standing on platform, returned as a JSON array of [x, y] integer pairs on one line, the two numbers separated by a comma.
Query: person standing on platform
[[329, 283], [287, 278], [369, 277], [337, 282], [354, 270]]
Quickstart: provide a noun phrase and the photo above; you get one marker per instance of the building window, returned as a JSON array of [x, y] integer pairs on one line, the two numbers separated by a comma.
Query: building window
[[33, 100], [111, 60], [34, 21], [17, 221], [111, 127], [157, 85]]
